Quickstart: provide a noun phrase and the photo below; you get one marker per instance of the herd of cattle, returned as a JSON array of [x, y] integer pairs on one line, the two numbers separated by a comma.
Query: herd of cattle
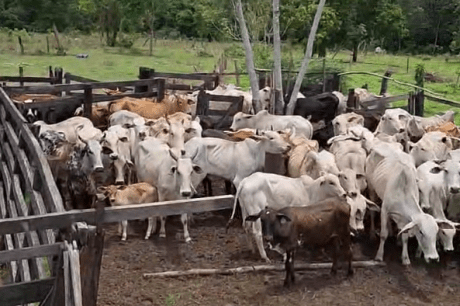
[[407, 169]]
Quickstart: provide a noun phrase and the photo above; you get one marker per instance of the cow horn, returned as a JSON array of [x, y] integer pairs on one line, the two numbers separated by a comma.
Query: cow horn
[[77, 130]]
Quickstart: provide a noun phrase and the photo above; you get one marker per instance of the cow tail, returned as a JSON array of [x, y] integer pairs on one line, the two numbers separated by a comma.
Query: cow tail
[[235, 203]]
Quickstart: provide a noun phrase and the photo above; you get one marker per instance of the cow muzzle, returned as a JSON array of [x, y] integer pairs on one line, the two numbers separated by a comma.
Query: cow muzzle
[[113, 156], [186, 193], [352, 194], [268, 238], [454, 189], [99, 169]]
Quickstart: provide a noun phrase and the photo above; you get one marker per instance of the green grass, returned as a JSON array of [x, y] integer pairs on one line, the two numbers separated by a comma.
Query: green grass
[[188, 56]]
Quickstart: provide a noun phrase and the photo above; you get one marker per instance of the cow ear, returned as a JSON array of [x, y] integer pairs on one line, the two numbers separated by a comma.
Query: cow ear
[[197, 119], [190, 102], [283, 219], [197, 169], [173, 169], [360, 176], [123, 139], [371, 205], [444, 224], [436, 170], [101, 189], [406, 229], [128, 125], [322, 180], [61, 135], [189, 130]]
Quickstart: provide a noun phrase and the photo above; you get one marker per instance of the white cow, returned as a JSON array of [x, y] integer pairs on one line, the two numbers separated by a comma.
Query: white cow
[[69, 128], [342, 122], [158, 165], [275, 191], [392, 175], [123, 117], [433, 145], [116, 143], [234, 161], [342, 106], [393, 121], [265, 121], [436, 182]]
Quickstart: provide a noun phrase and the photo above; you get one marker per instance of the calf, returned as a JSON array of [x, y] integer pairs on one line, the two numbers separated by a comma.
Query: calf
[[322, 224], [131, 194]]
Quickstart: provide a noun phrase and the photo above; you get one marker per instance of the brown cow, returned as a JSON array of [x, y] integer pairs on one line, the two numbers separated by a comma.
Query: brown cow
[[321, 224], [150, 109], [131, 194]]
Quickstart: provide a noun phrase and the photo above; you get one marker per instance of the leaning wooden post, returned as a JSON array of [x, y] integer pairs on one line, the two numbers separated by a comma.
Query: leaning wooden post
[[88, 103], [384, 86], [351, 100], [21, 75]]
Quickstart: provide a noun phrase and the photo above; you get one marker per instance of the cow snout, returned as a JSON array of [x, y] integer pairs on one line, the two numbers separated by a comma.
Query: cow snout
[[119, 182], [344, 195], [401, 130], [113, 156], [353, 194], [99, 169], [454, 189], [186, 193], [432, 260]]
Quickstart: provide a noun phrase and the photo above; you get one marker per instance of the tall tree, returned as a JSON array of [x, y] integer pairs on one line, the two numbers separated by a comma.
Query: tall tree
[[279, 100], [306, 59], [249, 57]]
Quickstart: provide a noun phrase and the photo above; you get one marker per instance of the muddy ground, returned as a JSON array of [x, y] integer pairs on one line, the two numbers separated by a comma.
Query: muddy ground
[[124, 263]]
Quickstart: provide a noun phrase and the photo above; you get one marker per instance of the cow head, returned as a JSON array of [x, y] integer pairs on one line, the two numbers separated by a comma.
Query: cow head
[[349, 183], [358, 206], [415, 129], [446, 234], [393, 121], [115, 143], [421, 152], [272, 142], [240, 121], [194, 129], [329, 186], [182, 170], [273, 223], [265, 95], [51, 141], [342, 122], [425, 228]]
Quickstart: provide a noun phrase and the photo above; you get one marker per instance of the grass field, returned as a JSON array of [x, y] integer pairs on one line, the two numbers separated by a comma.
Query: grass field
[[118, 63]]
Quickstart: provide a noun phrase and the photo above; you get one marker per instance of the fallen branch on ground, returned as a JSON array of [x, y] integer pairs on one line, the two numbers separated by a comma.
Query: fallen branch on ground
[[262, 268]]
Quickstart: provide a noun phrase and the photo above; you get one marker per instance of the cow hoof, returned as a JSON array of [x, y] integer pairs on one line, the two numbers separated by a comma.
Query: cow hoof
[[406, 262], [267, 260], [188, 240], [146, 237], [123, 239], [378, 258], [162, 235]]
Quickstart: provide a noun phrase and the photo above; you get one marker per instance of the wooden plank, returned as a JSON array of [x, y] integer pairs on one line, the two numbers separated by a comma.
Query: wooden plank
[[81, 79], [183, 87], [90, 267], [216, 98], [67, 282], [8, 240], [27, 292], [213, 112], [223, 106], [31, 252], [60, 220], [69, 87], [88, 102], [184, 76], [74, 261], [386, 100], [442, 101], [26, 79]]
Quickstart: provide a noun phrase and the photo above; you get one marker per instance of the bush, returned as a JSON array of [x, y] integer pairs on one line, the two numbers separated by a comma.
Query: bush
[[235, 51], [125, 41]]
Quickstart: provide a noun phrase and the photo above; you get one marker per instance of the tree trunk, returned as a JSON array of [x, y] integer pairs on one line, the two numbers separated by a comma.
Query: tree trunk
[[355, 53], [306, 59], [436, 37], [249, 57], [279, 101]]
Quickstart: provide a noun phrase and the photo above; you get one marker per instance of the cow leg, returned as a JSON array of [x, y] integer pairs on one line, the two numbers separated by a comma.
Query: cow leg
[[229, 187], [288, 266], [152, 226], [349, 255], [183, 218], [124, 225], [419, 252], [405, 255], [207, 185], [383, 233], [162, 227], [257, 232], [335, 254]]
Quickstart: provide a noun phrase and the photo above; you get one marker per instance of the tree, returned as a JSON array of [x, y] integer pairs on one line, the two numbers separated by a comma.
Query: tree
[[279, 103], [306, 59], [249, 57]]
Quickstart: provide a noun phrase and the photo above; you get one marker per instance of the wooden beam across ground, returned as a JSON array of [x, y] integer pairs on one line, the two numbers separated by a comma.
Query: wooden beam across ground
[[60, 220]]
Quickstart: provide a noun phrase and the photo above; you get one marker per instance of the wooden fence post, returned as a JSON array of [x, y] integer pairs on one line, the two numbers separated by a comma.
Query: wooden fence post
[[144, 73], [351, 99], [21, 75], [202, 106], [21, 46], [419, 103], [68, 80], [324, 74], [90, 267], [161, 85], [88, 103], [58, 73], [50, 74], [410, 103], [237, 76], [384, 86]]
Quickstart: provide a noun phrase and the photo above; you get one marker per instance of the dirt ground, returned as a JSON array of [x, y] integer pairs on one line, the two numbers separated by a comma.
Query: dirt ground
[[124, 263]]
